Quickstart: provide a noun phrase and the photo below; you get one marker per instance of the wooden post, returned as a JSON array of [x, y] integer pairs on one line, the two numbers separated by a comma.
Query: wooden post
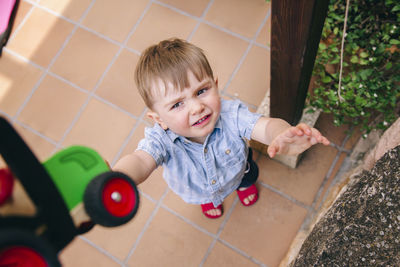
[[295, 35]]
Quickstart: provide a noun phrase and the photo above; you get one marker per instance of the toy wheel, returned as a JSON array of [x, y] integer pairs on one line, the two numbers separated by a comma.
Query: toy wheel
[[23, 249], [111, 199], [6, 185]]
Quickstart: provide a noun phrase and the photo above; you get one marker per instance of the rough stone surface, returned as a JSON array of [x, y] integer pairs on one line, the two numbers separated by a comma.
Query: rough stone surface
[[362, 228]]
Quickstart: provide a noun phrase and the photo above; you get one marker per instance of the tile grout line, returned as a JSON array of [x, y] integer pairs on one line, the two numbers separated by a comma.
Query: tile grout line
[[288, 197], [100, 249], [127, 139], [210, 3], [341, 150], [100, 80], [217, 238], [46, 70], [186, 220], [242, 253], [325, 180], [219, 231], [27, 15], [140, 119], [146, 226], [244, 56]]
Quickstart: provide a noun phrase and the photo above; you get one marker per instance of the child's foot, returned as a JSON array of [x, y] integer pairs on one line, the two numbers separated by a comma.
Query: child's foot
[[248, 195], [210, 211]]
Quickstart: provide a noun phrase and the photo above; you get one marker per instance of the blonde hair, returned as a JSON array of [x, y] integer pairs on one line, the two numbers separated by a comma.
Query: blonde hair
[[169, 61]]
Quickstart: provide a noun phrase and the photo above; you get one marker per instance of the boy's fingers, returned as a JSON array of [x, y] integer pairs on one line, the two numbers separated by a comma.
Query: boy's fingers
[[325, 141], [272, 150], [304, 128], [294, 131]]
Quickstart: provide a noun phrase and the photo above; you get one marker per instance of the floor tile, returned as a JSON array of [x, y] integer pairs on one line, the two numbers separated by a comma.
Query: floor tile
[[265, 230], [303, 182], [155, 185], [40, 147], [193, 212], [17, 79], [120, 240], [171, 242], [102, 128], [251, 82], [329, 180], [118, 86], [23, 9], [52, 107], [87, 54], [114, 19], [41, 37], [133, 142], [195, 8], [242, 17], [223, 58], [354, 136], [80, 253], [160, 23], [72, 9], [335, 134], [223, 256], [264, 37]]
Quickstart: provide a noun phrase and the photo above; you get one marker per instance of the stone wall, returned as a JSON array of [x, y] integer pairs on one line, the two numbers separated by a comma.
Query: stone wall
[[364, 156], [362, 228]]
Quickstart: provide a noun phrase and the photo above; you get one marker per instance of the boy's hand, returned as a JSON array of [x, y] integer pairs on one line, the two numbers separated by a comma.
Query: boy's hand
[[295, 140]]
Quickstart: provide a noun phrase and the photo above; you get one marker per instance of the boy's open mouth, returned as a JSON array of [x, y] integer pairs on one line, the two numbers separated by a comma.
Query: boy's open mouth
[[202, 120]]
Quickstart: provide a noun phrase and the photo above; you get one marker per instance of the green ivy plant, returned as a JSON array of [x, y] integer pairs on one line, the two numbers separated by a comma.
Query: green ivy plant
[[370, 84]]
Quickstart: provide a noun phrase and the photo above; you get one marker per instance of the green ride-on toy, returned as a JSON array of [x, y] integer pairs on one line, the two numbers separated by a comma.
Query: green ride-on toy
[[71, 191]]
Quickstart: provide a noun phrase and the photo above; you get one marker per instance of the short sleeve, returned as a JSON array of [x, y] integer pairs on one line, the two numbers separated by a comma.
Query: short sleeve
[[246, 120], [152, 144]]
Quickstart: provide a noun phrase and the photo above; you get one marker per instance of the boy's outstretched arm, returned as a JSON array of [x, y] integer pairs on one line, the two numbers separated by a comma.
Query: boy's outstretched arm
[[283, 138], [137, 165]]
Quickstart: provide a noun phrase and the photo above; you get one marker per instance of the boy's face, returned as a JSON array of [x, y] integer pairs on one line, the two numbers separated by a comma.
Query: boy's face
[[191, 113]]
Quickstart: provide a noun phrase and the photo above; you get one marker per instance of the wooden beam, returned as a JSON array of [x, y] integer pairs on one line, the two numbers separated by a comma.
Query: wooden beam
[[296, 27]]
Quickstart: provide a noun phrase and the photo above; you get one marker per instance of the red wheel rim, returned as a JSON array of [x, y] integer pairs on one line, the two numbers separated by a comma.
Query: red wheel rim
[[22, 257], [119, 197]]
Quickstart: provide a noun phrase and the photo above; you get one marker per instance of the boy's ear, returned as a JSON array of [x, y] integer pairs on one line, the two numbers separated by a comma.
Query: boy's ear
[[156, 118]]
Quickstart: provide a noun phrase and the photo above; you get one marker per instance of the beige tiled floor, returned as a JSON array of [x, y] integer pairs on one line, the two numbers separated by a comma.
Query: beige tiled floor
[[66, 78]]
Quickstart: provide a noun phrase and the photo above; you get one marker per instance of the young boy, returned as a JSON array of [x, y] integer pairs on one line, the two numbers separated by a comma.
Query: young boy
[[198, 138]]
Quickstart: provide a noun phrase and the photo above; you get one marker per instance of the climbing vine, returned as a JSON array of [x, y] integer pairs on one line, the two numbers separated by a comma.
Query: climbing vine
[[370, 83]]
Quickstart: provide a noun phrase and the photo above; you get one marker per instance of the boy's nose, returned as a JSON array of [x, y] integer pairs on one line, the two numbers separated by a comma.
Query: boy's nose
[[196, 107]]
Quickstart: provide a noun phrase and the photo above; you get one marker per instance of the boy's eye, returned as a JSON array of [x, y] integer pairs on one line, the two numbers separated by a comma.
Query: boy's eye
[[177, 105], [202, 91]]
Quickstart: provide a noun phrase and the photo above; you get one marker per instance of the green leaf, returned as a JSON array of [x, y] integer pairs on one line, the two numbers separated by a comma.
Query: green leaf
[[363, 55], [354, 59], [396, 8], [394, 42], [326, 79]]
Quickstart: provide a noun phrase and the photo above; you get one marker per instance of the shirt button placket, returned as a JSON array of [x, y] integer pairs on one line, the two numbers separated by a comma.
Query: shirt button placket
[[211, 172]]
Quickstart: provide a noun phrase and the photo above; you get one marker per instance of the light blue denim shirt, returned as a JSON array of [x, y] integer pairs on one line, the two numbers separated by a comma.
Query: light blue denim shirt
[[209, 172]]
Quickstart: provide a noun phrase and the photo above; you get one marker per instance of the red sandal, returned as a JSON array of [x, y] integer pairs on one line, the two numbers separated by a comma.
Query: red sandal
[[210, 206], [247, 192]]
